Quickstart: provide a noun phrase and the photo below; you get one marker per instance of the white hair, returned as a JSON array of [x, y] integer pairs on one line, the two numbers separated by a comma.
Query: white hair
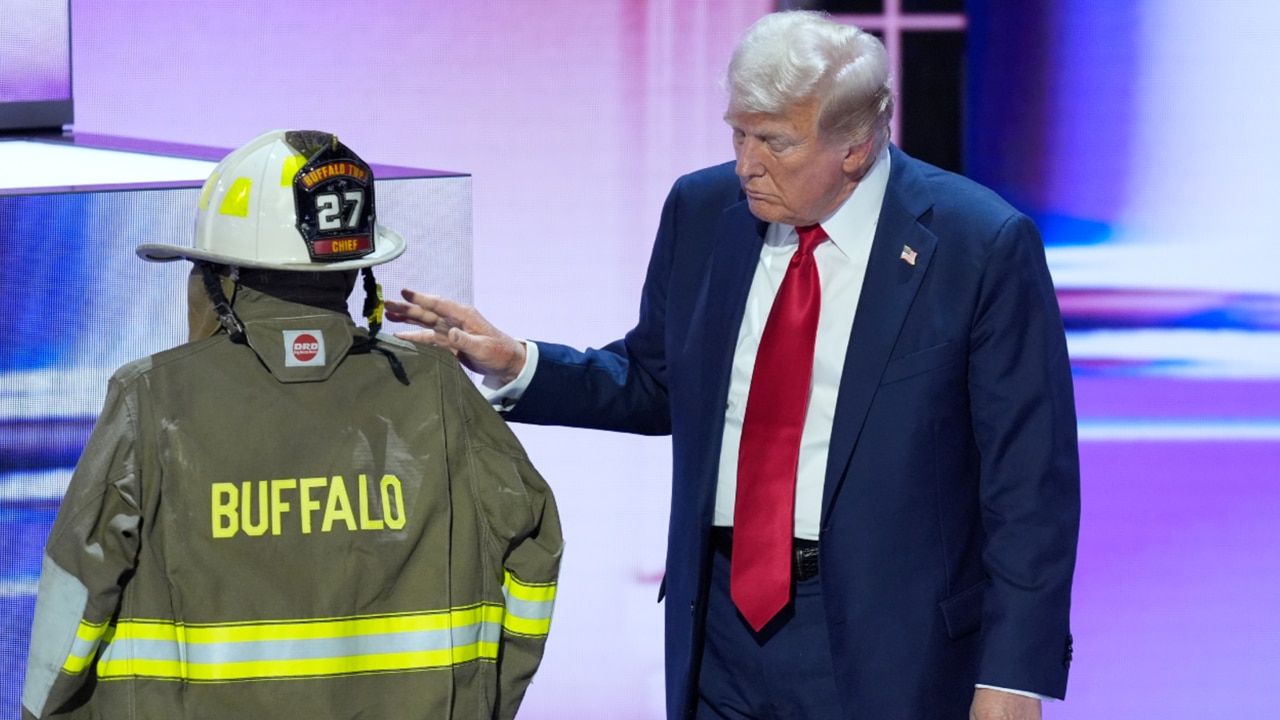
[[789, 57]]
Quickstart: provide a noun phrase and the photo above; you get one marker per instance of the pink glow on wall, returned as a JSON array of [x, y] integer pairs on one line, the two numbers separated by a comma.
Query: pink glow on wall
[[573, 117]]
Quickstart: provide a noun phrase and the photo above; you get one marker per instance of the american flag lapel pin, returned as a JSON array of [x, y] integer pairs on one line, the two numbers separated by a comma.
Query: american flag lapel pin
[[908, 255]]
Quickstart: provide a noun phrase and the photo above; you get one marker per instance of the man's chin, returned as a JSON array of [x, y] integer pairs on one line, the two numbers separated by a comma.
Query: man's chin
[[765, 210]]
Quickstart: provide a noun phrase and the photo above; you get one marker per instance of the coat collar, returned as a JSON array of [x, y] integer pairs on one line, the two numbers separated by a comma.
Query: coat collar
[[888, 289]]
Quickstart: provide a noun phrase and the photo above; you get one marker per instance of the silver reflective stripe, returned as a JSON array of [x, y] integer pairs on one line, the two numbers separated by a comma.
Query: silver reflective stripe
[[528, 606], [82, 651], [231, 652], [528, 609], [299, 649], [136, 648], [60, 607]]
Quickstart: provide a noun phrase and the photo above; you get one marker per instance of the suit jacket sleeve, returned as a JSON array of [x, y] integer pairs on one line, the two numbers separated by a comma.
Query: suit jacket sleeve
[[1025, 427]]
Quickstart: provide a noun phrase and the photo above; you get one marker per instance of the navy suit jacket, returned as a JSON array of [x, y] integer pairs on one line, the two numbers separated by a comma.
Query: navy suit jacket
[[950, 508]]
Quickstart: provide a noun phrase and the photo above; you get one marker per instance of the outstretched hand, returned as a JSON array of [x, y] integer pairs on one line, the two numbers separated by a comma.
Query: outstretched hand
[[461, 329]]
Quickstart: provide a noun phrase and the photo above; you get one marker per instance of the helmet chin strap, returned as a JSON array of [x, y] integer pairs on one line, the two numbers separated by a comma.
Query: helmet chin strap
[[222, 306], [373, 303], [373, 306]]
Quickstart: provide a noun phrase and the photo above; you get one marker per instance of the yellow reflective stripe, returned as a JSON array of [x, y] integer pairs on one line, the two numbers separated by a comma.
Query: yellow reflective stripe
[[530, 592], [524, 626], [292, 165], [528, 605], [305, 629], [85, 646], [285, 669], [301, 648], [236, 201]]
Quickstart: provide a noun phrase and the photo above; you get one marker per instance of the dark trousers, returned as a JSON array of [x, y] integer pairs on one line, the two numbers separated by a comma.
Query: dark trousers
[[780, 673]]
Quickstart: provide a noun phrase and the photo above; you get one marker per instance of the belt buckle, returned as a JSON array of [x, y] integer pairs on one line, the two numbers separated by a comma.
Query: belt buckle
[[806, 563]]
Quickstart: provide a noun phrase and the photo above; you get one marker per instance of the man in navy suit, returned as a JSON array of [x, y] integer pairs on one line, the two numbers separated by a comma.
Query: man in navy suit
[[936, 500]]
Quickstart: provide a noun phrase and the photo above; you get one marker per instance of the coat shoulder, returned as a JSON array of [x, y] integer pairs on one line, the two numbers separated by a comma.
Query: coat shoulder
[[951, 194], [717, 186]]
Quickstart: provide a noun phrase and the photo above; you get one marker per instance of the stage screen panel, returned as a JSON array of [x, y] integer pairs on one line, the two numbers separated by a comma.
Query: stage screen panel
[[35, 64]]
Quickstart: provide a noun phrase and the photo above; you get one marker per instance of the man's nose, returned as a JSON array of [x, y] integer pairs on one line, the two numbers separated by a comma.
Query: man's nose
[[749, 164]]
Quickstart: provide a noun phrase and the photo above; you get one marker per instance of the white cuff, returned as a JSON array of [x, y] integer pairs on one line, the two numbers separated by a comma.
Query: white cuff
[[504, 397], [1023, 693]]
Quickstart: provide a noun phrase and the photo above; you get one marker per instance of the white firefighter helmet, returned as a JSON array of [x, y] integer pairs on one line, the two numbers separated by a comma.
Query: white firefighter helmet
[[288, 200]]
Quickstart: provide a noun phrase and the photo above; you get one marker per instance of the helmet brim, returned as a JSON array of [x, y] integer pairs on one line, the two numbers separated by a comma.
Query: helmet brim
[[388, 246]]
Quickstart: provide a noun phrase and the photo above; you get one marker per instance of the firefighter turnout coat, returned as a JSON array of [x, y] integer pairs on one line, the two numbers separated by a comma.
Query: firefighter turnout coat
[[284, 530]]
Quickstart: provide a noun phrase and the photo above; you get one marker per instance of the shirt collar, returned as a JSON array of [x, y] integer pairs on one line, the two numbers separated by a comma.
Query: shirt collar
[[853, 224]]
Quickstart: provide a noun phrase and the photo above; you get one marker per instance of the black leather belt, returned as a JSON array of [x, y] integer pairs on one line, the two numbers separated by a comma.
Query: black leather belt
[[804, 559]]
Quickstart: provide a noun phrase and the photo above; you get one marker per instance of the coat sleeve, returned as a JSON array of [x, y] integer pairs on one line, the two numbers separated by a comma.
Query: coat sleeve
[[1025, 426], [91, 551], [530, 570], [523, 530]]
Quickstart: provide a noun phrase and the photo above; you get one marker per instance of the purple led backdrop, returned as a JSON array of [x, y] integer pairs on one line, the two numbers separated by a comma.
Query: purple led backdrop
[[1141, 135], [1151, 141], [35, 51]]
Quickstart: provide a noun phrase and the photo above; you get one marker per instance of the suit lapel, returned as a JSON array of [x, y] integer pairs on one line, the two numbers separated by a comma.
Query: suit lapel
[[888, 290], [739, 238]]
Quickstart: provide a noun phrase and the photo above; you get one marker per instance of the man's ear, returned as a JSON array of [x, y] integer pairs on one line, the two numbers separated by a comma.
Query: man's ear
[[857, 158]]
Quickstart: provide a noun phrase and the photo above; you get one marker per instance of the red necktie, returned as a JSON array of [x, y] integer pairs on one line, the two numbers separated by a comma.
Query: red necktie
[[764, 509]]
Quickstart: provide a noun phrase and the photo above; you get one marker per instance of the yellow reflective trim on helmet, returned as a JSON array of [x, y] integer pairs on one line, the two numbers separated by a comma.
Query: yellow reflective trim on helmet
[[207, 189], [292, 165], [236, 201]]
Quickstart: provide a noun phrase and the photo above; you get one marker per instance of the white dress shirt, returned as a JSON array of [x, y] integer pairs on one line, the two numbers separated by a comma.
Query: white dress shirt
[[842, 262]]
